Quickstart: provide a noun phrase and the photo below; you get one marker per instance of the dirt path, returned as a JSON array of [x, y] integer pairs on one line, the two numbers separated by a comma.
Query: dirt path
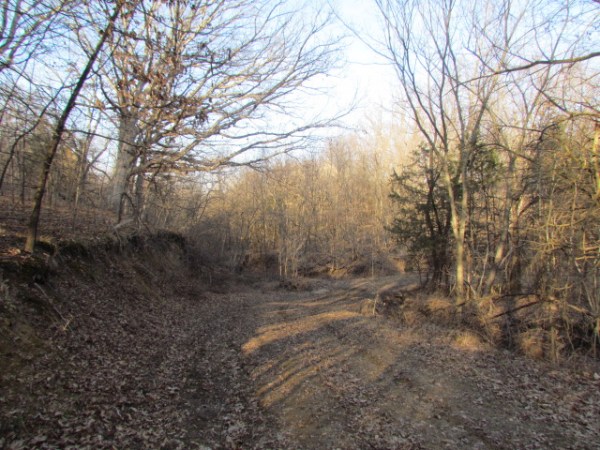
[[316, 370], [136, 366]]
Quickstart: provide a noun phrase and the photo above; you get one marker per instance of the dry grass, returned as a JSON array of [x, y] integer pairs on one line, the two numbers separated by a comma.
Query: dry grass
[[399, 264], [439, 306], [412, 318], [538, 343], [468, 340], [368, 307], [487, 322], [531, 343]]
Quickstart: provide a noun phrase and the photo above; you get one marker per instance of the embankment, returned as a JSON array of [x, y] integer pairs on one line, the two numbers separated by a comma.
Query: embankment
[[93, 341]]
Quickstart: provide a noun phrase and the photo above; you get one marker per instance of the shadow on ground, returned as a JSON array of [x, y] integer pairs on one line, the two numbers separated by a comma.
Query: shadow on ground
[[333, 375]]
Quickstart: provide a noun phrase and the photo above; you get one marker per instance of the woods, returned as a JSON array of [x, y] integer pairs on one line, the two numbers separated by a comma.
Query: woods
[[504, 114], [177, 87], [326, 214], [196, 117], [299, 224]]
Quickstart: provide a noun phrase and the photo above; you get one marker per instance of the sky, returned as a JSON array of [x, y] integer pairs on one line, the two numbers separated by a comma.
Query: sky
[[361, 79], [365, 77]]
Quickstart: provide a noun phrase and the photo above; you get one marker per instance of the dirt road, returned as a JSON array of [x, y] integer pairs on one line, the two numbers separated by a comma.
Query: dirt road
[[316, 370], [131, 365]]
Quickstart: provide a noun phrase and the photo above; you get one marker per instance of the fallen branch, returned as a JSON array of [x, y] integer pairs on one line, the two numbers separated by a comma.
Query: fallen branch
[[66, 322], [524, 294], [512, 310]]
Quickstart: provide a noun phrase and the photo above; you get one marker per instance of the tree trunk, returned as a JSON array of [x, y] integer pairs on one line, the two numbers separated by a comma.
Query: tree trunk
[[595, 156], [126, 157], [458, 220], [140, 193], [34, 218]]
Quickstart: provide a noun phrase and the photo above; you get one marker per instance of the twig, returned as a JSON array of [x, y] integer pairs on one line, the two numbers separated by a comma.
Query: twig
[[66, 324], [523, 294], [49, 299], [68, 321], [375, 304], [510, 311]]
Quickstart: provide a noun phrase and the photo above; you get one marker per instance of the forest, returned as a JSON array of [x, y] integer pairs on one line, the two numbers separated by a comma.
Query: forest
[[479, 181]]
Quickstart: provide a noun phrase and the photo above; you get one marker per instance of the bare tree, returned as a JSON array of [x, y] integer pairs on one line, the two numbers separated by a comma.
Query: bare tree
[[57, 134], [459, 64], [193, 84], [25, 28], [449, 114]]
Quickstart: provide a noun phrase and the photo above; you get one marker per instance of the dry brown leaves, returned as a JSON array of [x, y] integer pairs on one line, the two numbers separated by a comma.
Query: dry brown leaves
[[136, 356]]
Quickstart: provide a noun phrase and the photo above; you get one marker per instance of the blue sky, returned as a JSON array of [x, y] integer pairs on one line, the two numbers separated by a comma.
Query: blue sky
[[364, 76]]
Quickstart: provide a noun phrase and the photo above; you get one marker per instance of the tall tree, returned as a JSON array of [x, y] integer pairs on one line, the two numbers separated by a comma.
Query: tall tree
[[192, 84], [26, 29], [465, 71], [57, 134]]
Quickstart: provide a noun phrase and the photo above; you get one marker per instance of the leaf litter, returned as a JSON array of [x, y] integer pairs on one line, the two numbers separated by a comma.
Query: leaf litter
[[173, 363]]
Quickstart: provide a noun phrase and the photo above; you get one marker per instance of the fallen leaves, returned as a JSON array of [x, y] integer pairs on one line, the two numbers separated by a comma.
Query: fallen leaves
[[112, 378], [147, 363]]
